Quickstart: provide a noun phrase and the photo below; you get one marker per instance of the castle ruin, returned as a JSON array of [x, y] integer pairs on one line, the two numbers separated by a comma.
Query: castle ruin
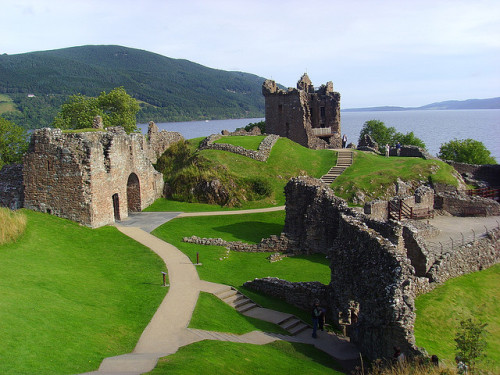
[[93, 178], [308, 116]]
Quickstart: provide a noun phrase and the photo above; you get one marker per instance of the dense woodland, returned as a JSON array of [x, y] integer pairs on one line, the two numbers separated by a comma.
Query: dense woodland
[[167, 89]]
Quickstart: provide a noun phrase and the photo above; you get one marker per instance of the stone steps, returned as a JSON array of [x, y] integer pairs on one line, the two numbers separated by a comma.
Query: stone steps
[[243, 304], [344, 160]]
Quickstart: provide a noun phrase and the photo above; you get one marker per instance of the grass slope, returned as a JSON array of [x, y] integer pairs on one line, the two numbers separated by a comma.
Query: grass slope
[[248, 142], [212, 314], [440, 311], [221, 358], [71, 296], [373, 175]]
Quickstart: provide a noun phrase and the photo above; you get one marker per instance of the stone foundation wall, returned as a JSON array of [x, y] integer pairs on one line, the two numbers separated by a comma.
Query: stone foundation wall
[[490, 173], [463, 205], [271, 244], [11, 186], [261, 154], [300, 294], [464, 259]]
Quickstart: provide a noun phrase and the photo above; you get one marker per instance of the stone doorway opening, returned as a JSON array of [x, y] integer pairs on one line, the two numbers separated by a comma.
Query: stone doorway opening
[[133, 193], [116, 207]]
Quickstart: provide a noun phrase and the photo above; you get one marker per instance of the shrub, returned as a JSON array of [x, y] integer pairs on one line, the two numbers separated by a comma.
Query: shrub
[[384, 135], [466, 151], [470, 341], [261, 187]]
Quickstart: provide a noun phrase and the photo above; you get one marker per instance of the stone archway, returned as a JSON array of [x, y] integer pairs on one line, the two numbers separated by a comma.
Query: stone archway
[[133, 193]]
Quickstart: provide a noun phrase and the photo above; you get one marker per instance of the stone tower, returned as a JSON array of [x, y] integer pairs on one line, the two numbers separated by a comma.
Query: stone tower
[[308, 116]]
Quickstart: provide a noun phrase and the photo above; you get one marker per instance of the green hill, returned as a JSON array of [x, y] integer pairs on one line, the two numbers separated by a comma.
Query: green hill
[[168, 89]]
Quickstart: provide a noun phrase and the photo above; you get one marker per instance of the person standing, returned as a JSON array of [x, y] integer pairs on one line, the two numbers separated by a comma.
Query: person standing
[[398, 148], [315, 315], [344, 141], [387, 150]]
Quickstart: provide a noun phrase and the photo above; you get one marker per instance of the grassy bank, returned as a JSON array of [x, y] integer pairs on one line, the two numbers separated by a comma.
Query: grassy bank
[[224, 358], [375, 175], [71, 296], [248, 142], [439, 313]]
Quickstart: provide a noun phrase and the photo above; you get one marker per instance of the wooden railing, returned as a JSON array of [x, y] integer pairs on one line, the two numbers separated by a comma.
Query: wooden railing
[[492, 193], [322, 131], [399, 210]]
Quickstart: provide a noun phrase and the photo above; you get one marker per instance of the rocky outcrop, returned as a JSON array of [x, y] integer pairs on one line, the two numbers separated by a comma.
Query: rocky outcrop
[[366, 143]]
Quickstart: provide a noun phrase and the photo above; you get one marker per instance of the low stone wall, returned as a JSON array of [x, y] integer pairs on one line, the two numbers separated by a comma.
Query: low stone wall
[[463, 205], [474, 256], [272, 244], [261, 154], [411, 152], [300, 294], [254, 131], [11, 186]]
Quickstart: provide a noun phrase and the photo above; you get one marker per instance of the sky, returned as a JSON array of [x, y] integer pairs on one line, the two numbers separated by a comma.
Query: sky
[[376, 52]]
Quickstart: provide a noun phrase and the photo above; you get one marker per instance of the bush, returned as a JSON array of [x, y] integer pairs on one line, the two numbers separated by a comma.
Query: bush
[[470, 342], [466, 151], [261, 125], [13, 142], [261, 187]]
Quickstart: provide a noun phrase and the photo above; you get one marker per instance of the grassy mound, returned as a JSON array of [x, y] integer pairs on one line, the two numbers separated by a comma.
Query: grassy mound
[[71, 296], [221, 358], [374, 176], [12, 225], [440, 311], [241, 181]]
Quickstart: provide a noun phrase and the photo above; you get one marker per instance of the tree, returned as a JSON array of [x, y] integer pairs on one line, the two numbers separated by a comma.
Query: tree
[[466, 151], [384, 135], [13, 142], [116, 108], [378, 131], [470, 341]]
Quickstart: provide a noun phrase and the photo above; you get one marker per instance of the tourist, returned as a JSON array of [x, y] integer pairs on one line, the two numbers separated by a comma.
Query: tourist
[[398, 148], [398, 357], [387, 149], [315, 315], [461, 366], [435, 360], [344, 141]]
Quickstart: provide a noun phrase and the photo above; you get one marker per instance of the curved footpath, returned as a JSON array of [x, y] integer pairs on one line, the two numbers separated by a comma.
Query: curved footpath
[[168, 331]]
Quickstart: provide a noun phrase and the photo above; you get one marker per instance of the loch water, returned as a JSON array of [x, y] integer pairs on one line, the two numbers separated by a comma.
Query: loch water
[[434, 127]]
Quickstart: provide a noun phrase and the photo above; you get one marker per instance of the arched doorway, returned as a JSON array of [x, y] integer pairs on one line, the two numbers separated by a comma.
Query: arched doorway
[[116, 206], [133, 193]]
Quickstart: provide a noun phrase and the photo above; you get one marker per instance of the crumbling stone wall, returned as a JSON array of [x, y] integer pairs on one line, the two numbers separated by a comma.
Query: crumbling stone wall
[[307, 116], [488, 173], [93, 178], [463, 205], [11, 186], [377, 268], [272, 244], [159, 141]]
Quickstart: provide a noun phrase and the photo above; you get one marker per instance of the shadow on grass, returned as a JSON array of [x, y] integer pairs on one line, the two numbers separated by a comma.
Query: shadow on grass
[[251, 231]]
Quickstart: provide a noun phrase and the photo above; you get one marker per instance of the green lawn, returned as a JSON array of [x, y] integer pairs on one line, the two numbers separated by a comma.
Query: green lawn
[[212, 314], [245, 141], [374, 174], [71, 296], [6, 104], [235, 268], [440, 311], [221, 358]]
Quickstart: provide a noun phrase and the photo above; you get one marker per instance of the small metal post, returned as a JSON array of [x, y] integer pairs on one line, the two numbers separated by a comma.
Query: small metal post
[[441, 246], [197, 258], [474, 235], [463, 241], [164, 274], [451, 243], [486, 229]]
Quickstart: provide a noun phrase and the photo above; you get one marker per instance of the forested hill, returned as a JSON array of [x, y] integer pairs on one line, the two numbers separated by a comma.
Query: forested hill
[[169, 89]]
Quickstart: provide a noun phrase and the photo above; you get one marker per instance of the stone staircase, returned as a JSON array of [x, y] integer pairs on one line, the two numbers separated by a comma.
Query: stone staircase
[[344, 160], [246, 306]]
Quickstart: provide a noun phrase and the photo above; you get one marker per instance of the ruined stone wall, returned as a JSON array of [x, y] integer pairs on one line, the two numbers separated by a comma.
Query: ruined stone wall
[[76, 175], [299, 294], [463, 205], [159, 141], [11, 186], [261, 154], [490, 173], [272, 244]]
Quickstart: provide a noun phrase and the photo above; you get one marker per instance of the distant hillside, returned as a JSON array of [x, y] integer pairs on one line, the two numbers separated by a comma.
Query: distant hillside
[[493, 103], [169, 89]]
